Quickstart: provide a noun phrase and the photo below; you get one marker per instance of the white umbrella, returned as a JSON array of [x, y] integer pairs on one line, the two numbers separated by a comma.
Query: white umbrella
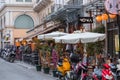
[[41, 36], [51, 35], [81, 37]]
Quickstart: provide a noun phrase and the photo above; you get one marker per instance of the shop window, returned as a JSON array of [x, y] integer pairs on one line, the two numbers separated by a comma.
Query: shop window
[[24, 22]]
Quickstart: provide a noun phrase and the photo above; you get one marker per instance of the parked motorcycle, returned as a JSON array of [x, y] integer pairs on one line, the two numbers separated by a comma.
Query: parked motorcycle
[[8, 54], [118, 70], [113, 69], [97, 74], [4, 53], [107, 73], [82, 72], [11, 56]]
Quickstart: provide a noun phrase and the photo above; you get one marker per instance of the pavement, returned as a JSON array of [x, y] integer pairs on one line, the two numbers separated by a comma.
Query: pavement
[[25, 65], [31, 67], [21, 71]]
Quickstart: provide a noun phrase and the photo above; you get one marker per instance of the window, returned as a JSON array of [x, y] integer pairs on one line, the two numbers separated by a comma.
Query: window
[[28, 0], [19, 0], [23, 0], [24, 22]]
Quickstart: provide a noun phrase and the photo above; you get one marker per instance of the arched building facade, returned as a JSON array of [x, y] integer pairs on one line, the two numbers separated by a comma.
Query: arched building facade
[[15, 20]]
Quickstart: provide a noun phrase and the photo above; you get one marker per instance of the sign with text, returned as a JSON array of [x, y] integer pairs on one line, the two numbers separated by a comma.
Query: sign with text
[[86, 19]]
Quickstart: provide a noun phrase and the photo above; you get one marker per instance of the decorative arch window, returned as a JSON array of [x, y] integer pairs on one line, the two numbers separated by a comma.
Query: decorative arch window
[[24, 22]]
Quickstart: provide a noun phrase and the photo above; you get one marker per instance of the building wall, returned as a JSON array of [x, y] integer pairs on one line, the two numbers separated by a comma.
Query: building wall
[[45, 11], [8, 15]]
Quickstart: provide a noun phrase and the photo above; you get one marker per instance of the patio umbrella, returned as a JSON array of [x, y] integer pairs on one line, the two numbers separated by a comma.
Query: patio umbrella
[[51, 35], [41, 36], [80, 37]]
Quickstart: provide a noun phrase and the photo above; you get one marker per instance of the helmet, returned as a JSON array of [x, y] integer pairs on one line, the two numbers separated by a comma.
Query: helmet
[[106, 66]]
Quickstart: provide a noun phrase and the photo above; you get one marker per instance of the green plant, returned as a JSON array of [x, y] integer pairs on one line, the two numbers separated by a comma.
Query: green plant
[[100, 29], [59, 47], [97, 46]]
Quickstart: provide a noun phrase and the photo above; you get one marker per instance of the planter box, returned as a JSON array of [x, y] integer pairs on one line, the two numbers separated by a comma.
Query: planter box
[[46, 70], [38, 67], [54, 73]]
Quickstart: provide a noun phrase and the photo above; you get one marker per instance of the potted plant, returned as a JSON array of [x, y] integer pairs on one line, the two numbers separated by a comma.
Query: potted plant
[[54, 73], [46, 70], [37, 52], [46, 64], [38, 67]]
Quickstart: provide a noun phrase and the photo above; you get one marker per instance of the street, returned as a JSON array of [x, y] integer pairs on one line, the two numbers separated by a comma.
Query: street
[[15, 71]]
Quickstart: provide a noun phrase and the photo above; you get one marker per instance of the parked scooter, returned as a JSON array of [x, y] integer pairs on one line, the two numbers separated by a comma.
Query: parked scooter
[[118, 70], [106, 73], [4, 53], [97, 74], [81, 71], [113, 69], [11, 56], [79, 68], [8, 54], [63, 67]]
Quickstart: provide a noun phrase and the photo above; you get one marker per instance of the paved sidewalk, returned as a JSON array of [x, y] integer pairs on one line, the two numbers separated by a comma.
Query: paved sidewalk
[[26, 65], [33, 68], [21, 71]]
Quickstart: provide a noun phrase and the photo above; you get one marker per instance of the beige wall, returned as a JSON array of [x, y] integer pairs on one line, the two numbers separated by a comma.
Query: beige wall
[[8, 16], [19, 33]]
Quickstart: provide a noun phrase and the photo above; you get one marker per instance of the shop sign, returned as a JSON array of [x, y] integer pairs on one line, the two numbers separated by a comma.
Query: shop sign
[[112, 6], [86, 19]]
